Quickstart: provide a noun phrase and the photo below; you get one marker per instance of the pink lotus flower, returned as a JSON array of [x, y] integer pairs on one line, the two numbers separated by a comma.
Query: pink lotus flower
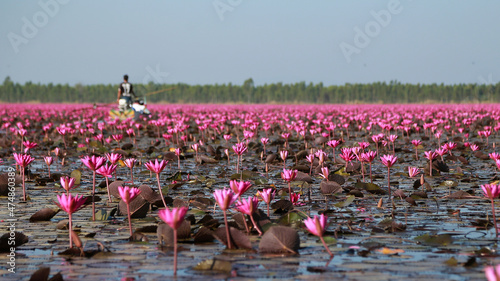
[[369, 157], [289, 176], [284, 155], [430, 155], [325, 172], [248, 207], [492, 191], [67, 183], [239, 187], [128, 194], [474, 147], [450, 146], [225, 198], [333, 144], [117, 137], [157, 168], [321, 156], [23, 160], [48, 160], [495, 156], [294, 198], [93, 163], [317, 226], [130, 163], [174, 219], [239, 149], [267, 196], [107, 172], [389, 161], [492, 273], [347, 155], [413, 171], [29, 145], [70, 204], [113, 157]]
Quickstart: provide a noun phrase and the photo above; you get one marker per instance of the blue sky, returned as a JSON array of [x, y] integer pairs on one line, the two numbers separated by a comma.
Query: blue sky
[[222, 41]]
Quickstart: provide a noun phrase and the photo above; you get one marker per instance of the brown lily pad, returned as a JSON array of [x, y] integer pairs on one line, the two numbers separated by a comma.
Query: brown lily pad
[[20, 239], [165, 233], [44, 214], [330, 187], [238, 239], [280, 239], [138, 208]]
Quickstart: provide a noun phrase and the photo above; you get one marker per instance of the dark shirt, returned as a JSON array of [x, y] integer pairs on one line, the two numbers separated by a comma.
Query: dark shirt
[[126, 90]]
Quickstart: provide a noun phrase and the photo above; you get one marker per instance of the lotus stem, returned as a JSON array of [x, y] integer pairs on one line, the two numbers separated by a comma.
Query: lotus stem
[[129, 219], [228, 234], [494, 217], [161, 192], [326, 247]]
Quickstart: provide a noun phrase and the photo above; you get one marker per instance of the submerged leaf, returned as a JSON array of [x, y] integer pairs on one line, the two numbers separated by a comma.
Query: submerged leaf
[[214, 265]]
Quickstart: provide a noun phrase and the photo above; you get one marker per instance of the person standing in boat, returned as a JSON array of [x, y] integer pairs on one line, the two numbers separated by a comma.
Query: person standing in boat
[[125, 94]]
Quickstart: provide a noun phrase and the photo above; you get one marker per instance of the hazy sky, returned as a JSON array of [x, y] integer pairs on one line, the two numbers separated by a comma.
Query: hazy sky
[[222, 41]]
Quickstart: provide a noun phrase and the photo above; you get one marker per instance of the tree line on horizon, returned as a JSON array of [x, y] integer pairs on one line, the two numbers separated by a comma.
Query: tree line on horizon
[[278, 93]]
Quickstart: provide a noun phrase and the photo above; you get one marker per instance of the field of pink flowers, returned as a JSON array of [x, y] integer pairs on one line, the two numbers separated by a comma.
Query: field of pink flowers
[[352, 192]]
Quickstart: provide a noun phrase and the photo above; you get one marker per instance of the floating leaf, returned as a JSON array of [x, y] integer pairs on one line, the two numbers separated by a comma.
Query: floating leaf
[[44, 214], [238, 238], [451, 262], [280, 239], [388, 251], [330, 239], [435, 240], [101, 215], [346, 203], [175, 177], [77, 175], [292, 217], [214, 265], [41, 274]]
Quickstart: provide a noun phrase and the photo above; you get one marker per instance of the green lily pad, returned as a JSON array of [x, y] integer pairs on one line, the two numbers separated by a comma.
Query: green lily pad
[[77, 175], [346, 203]]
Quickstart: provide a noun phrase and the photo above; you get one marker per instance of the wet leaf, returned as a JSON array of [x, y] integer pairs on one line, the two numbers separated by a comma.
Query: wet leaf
[[435, 240], [346, 203], [329, 187], [19, 239], [44, 214], [239, 239], [101, 215], [165, 233], [175, 177], [449, 183], [41, 274], [77, 175], [330, 240], [451, 262], [214, 265], [280, 239], [292, 217], [138, 207]]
